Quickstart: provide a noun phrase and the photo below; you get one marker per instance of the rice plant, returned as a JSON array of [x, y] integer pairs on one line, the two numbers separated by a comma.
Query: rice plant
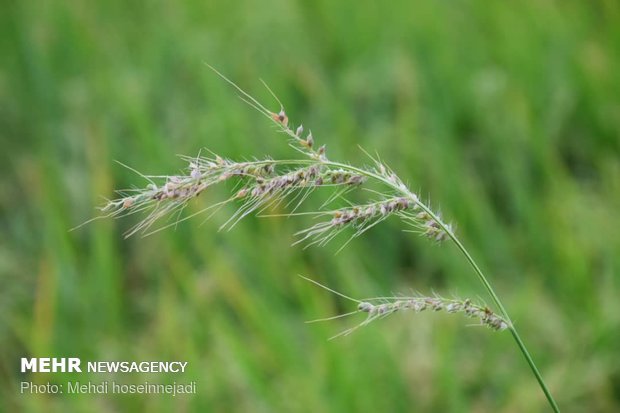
[[263, 184]]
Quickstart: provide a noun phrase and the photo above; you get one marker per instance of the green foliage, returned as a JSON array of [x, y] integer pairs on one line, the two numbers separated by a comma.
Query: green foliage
[[507, 115]]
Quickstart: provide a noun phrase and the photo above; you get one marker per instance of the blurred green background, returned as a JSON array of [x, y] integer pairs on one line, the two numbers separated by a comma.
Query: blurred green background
[[506, 115]]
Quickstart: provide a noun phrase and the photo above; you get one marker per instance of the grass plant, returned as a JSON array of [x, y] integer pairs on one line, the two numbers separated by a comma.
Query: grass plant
[[262, 185]]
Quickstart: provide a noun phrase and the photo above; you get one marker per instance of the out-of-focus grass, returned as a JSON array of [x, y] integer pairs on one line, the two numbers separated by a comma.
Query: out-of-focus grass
[[507, 114]]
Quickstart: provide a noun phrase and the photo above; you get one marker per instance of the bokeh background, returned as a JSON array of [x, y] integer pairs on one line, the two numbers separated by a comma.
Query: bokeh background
[[507, 116]]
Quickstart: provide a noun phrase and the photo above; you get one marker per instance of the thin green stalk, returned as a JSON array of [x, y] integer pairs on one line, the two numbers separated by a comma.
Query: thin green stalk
[[477, 270], [504, 313]]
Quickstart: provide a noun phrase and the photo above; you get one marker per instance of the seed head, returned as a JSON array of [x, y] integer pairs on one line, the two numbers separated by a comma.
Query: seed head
[[420, 303]]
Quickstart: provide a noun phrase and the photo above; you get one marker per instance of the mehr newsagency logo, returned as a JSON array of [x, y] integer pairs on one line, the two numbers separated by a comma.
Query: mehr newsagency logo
[[75, 365]]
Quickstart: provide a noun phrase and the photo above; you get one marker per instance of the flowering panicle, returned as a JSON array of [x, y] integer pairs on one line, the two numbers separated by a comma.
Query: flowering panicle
[[165, 195], [299, 141], [264, 193], [360, 217], [311, 176], [381, 307], [418, 304], [262, 185]]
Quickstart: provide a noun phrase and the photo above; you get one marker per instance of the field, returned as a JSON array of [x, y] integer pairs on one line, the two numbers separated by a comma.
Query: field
[[505, 116]]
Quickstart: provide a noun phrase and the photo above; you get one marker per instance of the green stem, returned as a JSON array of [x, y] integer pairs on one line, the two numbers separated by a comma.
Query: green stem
[[511, 326], [471, 261]]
